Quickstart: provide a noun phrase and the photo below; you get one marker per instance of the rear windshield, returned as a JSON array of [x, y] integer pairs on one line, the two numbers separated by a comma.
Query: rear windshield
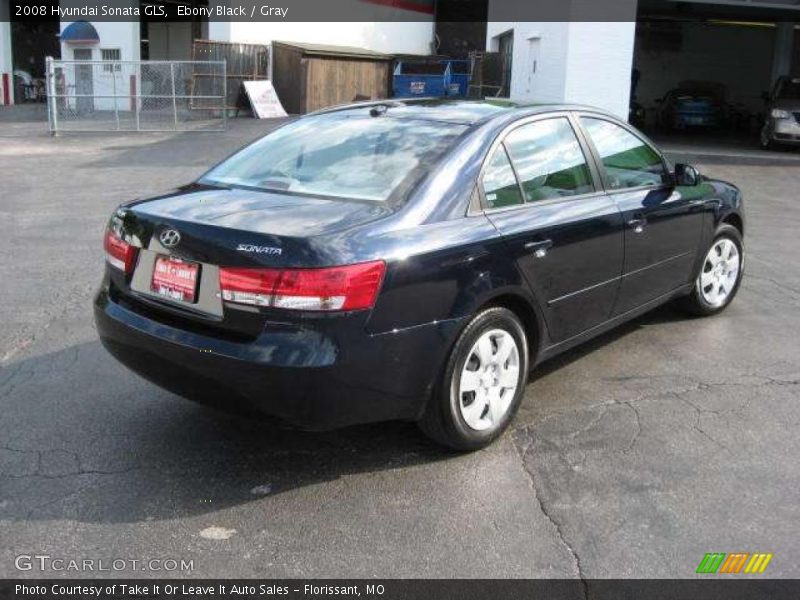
[[358, 157], [789, 89]]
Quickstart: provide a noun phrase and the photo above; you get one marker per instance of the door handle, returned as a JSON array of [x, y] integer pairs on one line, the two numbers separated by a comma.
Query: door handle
[[703, 204], [539, 248], [637, 224]]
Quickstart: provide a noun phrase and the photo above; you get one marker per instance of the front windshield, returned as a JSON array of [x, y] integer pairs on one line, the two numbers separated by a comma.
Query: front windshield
[[343, 156], [789, 89]]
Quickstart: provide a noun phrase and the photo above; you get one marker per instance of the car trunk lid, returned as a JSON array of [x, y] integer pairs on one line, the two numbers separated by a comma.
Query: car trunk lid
[[274, 214], [184, 238]]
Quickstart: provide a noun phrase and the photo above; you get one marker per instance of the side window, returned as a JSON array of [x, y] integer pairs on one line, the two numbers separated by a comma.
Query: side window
[[499, 182], [628, 161], [549, 160]]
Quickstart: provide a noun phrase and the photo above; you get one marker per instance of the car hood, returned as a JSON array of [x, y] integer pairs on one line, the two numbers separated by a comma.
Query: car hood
[[789, 104], [262, 212]]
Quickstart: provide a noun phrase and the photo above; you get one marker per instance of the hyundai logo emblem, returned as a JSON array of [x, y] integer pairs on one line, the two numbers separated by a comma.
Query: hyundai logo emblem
[[169, 238]]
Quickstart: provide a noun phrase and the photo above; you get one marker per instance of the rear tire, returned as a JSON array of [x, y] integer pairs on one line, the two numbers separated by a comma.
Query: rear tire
[[482, 384], [720, 275]]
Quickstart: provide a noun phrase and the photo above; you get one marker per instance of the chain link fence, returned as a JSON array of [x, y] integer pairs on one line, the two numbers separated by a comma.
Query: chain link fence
[[150, 95]]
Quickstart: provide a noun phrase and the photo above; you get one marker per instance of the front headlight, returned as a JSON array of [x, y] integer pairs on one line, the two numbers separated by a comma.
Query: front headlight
[[779, 113]]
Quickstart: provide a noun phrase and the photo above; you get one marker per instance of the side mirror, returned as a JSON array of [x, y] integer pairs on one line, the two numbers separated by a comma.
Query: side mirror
[[686, 175]]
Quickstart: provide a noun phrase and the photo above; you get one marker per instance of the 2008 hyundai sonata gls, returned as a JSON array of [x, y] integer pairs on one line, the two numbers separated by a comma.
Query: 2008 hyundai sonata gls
[[410, 260]]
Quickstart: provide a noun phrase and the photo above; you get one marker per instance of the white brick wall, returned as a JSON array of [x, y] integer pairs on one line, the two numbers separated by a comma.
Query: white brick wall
[[578, 62], [599, 65], [550, 78]]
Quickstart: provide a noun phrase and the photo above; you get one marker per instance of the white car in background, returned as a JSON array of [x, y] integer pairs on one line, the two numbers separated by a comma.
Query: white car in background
[[783, 114]]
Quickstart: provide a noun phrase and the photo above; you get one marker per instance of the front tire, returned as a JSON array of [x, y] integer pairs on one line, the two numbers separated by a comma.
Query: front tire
[[482, 384], [720, 274], [766, 142]]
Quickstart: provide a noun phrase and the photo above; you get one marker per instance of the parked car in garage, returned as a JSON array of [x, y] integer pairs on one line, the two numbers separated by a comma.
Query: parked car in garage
[[410, 260], [692, 105], [782, 124]]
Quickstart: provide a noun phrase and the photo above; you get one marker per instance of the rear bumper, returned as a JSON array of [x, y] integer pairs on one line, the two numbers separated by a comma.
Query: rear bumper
[[314, 376], [689, 118]]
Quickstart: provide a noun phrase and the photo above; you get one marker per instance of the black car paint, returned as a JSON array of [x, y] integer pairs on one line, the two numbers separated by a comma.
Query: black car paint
[[446, 257]]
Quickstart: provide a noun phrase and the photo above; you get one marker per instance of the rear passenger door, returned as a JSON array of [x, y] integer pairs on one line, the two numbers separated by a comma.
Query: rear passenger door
[[565, 235], [662, 226]]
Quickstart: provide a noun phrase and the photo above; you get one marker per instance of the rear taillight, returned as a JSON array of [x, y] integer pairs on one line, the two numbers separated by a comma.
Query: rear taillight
[[248, 286], [119, 253], [351, 287]]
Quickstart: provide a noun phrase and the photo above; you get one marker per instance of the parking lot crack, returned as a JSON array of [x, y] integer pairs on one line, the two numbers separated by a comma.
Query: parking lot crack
[[15, 379], [774, 282], [40, 469], [696, 425], [522, 449], [638, 431]]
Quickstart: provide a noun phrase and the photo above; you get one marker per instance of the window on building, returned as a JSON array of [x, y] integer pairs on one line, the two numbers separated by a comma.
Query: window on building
[[549, 160], [629, 162], [111, 54], [499, 182]]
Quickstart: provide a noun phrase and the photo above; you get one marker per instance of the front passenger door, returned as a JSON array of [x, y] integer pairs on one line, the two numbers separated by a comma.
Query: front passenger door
[[662, 226]]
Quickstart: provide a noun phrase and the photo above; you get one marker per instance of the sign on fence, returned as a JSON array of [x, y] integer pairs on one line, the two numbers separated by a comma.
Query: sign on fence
[[264, 100]]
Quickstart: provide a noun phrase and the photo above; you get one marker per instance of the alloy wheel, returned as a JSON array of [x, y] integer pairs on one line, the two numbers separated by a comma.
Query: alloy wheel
[[489, 380], [720, 272]]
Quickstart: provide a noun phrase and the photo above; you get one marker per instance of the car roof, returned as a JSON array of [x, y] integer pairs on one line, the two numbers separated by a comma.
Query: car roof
[[459, 111]]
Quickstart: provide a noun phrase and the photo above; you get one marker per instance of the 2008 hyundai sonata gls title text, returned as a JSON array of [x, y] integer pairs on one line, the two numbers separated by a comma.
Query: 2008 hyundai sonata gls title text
[[410, 260]]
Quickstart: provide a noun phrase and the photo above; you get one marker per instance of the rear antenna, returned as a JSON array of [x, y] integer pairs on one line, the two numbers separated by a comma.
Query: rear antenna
[[377, 111]]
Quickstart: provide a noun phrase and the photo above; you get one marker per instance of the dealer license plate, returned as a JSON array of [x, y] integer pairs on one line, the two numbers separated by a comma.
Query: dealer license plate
[[175, 279]]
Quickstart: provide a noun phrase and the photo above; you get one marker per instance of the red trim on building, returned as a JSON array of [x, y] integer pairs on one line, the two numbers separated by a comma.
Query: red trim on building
[[421, 6], [6, 90]]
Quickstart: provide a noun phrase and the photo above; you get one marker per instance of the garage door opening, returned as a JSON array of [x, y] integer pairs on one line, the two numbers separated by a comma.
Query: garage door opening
[[31, 43], [704, 73]]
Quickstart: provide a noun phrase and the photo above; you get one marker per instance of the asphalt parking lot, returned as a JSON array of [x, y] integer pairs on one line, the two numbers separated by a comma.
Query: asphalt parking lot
[[631, 457]]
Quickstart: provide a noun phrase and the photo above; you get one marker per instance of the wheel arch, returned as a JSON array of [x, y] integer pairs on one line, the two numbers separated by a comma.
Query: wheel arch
[[735, 220], [524, 308]]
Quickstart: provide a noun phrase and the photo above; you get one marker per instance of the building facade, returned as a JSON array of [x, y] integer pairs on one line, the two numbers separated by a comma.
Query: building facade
[[741, 45], [575, 62], [156, 39]]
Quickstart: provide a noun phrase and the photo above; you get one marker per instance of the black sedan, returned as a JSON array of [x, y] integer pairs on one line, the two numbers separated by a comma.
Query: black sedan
[[410, 260]]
